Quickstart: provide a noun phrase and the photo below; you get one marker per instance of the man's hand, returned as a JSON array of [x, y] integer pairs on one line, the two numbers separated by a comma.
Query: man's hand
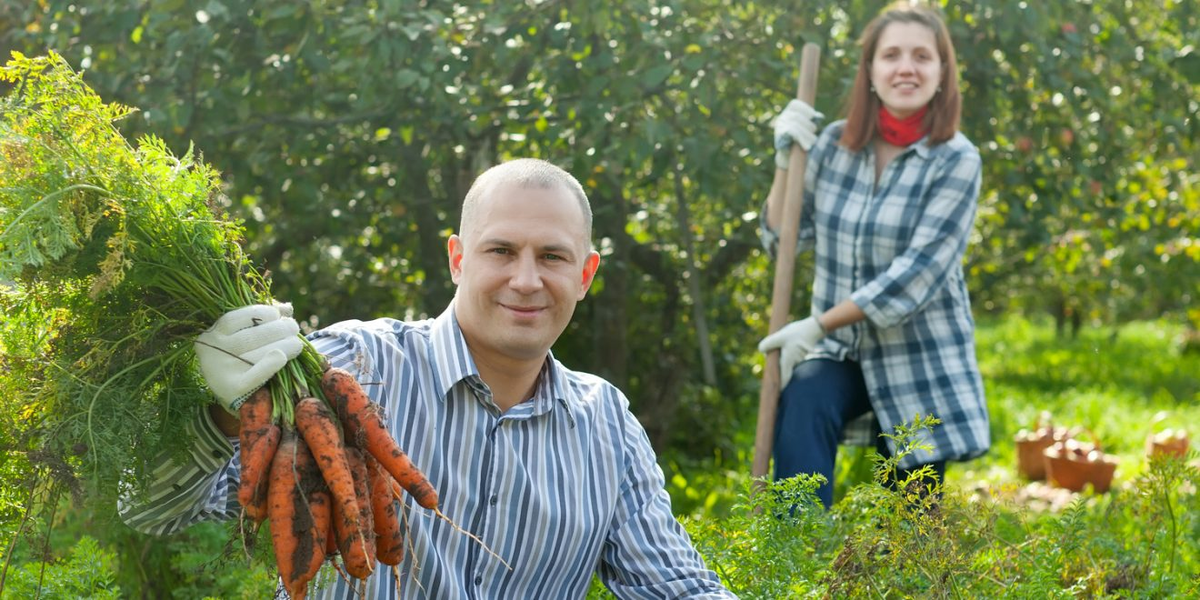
[[794, 341], [797, 124], [245, 348]]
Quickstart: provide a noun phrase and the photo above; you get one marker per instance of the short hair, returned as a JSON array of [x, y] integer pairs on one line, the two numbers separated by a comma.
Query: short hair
[[862, 116], [525, 173]]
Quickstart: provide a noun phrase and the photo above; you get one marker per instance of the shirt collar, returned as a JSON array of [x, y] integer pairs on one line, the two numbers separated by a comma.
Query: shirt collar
[[922, 147], [449, 354], [453, 363]]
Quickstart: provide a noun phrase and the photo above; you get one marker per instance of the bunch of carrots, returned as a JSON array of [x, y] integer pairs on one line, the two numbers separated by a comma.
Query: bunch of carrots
[[329, 485], [116, 257]]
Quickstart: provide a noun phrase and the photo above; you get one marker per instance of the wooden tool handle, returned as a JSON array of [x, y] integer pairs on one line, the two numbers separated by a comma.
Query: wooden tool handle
[[785, 264]]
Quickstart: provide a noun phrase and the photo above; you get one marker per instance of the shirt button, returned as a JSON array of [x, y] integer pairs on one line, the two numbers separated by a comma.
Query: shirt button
[[478, 579], [493, 500], [216, 453]]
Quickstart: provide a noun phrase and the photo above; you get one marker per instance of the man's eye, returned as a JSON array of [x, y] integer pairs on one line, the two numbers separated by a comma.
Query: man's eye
[[553, 257], [499, 250]]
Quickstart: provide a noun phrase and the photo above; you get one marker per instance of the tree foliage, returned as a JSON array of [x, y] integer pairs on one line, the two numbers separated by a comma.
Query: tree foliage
[[347, 132]]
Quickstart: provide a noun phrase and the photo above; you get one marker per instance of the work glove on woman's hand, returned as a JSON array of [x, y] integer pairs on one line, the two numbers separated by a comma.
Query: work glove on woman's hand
[[245, 348], [797, 124], [794, 341]]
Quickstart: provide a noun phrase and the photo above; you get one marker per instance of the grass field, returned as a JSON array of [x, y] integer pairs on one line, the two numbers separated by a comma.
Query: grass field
[[1120, 385]]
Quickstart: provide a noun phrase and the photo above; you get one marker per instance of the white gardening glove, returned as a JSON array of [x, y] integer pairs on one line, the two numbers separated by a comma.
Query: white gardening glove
[[794, 341], [796, 124], [245, 348]]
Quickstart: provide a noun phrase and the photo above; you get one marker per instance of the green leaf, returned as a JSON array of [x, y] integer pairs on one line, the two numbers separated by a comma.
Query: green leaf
[[405, 78], [656, 75]]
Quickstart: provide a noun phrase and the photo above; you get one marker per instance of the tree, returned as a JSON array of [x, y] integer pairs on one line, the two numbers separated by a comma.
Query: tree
[[348, 132]]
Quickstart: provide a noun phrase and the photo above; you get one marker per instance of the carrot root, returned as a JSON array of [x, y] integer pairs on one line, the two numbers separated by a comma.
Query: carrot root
[[293, 532], [316, 426], [364, 427]]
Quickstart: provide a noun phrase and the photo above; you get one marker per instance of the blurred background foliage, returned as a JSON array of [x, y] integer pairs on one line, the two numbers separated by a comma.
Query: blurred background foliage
[[347, 133]]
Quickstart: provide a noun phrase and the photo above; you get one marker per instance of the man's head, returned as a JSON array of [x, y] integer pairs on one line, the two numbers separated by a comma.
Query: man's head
[[525, 173], [522, 259]]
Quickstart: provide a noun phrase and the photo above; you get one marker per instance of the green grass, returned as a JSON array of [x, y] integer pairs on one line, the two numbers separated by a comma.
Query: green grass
[[1121, 385]]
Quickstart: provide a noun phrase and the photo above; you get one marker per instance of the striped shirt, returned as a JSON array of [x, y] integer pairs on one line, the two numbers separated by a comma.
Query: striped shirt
[[895, 248], [561, 486]]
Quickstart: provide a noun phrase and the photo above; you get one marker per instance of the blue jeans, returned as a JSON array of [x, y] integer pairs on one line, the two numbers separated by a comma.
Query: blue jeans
[[821, 398]]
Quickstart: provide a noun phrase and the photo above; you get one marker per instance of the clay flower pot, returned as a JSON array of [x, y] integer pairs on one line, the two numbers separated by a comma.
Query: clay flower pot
[[1102, 473], [1031, 464], [1167, 442], [1072, 465]]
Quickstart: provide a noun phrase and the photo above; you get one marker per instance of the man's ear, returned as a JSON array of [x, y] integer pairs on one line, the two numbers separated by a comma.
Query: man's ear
[[591, 264], [454, 252]]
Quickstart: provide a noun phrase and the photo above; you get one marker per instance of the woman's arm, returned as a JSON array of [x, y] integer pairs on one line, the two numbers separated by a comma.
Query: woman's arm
[[774, 213], [844, 313]]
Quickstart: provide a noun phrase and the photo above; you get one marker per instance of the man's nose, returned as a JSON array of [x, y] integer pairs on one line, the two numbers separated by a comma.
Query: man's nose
[[526, 276]]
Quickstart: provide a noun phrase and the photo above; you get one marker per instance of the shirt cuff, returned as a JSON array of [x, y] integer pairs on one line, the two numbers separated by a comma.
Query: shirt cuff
[[867, 299]]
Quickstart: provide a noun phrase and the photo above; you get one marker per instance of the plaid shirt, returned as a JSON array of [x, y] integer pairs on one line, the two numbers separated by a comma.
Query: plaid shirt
[[561, 487], [897, 252]]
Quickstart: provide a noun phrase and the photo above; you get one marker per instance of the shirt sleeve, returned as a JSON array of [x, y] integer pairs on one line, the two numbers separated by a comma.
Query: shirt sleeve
[[807, 232], [184, 490], [938, 244], [648, 554]]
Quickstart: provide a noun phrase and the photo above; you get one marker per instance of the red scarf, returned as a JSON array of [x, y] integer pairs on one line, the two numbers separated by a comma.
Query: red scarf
[[902, 132]]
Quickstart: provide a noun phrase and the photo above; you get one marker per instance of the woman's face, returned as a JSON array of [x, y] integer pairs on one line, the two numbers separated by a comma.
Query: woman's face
[[906, 69]]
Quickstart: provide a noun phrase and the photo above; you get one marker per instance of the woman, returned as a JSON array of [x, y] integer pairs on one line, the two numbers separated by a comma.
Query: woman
[[889, 202]]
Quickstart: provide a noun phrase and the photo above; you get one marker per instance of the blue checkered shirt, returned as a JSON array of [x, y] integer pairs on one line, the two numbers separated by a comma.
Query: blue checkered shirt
[[896, 249], [561, 487]]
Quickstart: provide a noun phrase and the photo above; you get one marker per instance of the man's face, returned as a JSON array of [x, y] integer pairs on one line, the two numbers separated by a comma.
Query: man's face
[[520, 269]]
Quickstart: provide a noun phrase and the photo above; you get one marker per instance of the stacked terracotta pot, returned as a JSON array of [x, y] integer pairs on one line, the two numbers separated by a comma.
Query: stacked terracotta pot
[[1073, 464], [1168, 442], [1053, 453]]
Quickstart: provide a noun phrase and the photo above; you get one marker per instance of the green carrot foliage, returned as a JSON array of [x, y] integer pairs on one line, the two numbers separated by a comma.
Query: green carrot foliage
[[115, 257]]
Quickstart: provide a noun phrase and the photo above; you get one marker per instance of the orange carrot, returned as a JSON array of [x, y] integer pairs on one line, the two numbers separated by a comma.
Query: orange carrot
[[259, 438], [319, 506], [359, 558], [364, 427], [331, 541], [254, 414], [293, 531], [321, 434], [256, 461], [389, 537]]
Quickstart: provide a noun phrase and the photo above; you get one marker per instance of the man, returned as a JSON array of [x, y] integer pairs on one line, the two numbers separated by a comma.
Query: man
[[546, 465]]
